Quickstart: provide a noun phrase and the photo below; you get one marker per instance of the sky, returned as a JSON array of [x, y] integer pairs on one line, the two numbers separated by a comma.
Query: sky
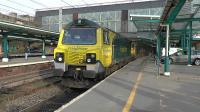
[[30, 6]]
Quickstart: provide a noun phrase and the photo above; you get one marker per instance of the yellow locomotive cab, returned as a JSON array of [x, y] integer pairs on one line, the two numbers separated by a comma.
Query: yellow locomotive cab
[[89, 49], [80, 49]]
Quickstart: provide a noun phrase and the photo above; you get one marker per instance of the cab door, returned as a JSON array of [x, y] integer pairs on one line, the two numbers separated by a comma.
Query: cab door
[[107, 49]]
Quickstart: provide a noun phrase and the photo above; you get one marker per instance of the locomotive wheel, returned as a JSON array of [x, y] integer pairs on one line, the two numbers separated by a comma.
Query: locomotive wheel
[[107, 72]]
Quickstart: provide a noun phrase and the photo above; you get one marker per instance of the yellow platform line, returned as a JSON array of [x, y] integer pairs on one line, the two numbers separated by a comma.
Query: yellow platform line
[[131, 97]]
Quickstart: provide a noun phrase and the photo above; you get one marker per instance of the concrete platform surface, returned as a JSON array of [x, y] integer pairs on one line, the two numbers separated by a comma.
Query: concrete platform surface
[[23, 61], [135, 88]]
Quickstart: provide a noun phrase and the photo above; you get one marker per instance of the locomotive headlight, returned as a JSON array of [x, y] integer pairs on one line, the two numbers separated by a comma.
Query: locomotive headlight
[[88, 60], [91, 58], [59, 57]]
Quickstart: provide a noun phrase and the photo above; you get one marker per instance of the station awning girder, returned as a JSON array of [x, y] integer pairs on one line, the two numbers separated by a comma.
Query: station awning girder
[[171, 11], [176, 20], [184, 16]]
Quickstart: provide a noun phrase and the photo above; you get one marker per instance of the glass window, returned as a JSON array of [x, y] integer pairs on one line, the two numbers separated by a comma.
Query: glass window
[[45, 27], [131, 27], [67, 18], [91, 16], [54, 27], [118, 26], [108, 19], [197, 52], [53, 19], [118, 15], [80, 36], [45, 20], [105, 37]]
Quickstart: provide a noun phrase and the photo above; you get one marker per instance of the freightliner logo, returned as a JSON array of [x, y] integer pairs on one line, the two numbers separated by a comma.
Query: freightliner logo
[[77, 48]]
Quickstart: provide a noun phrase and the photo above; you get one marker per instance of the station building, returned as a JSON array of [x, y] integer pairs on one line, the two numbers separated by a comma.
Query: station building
[[113, 16]]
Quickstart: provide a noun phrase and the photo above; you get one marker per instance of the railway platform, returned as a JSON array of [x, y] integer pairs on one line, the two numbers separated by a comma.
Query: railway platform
[[136, 88], [23, 61]]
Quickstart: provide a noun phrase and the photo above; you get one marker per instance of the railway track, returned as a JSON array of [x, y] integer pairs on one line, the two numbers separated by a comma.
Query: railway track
[[57, 100], [34, 92], [15, 90], [39, 96], [15, 99], [53, 103], [17, 80]]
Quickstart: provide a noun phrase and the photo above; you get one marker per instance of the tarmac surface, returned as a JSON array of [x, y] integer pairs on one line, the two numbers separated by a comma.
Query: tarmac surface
[[137, 88]]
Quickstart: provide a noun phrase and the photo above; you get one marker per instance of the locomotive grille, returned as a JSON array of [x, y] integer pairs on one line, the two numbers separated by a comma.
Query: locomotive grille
[[76, 57]]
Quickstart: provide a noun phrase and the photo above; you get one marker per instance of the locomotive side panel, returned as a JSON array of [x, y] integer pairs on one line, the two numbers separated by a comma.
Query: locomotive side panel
[[122, 49]]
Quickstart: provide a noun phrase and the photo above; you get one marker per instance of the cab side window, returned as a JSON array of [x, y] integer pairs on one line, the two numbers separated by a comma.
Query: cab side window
[[105, 37]]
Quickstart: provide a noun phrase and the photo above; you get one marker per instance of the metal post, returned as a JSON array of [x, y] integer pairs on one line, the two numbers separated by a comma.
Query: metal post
[[166, 67], [43, 49], [14, 47], [181, 39], [115, 21], [158, 55], [60, 19], [5, 48], [190, 45], [184, 41]]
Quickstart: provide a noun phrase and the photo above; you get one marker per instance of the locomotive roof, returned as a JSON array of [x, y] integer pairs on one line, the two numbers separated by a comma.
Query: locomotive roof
[[82, 23], [86, 23]]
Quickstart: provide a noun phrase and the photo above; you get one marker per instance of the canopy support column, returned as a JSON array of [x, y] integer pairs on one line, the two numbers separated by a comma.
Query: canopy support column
[[184, 41], [5, 48], [166, 66], [43, 49], [190, 44]]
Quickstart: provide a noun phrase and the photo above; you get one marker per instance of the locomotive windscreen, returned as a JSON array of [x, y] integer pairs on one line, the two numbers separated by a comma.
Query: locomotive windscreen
[[80, 36]]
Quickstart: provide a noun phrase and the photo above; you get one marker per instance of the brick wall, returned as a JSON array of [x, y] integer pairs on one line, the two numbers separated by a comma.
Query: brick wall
[[27, 69]]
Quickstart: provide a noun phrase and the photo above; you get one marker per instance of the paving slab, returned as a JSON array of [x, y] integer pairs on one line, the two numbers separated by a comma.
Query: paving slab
[[109, 95]]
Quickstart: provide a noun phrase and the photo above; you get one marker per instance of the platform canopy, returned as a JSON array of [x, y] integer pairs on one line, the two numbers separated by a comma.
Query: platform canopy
[[12, 29], [179, 25], [189, 13], [147, 20], [180, 17]]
